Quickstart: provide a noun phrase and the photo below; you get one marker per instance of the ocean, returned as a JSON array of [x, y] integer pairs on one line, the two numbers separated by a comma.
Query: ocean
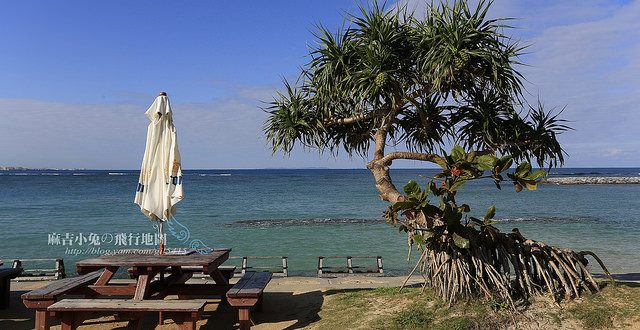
[[298, 213]]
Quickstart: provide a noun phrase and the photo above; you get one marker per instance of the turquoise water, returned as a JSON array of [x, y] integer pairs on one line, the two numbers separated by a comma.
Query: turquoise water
[[301, 214]]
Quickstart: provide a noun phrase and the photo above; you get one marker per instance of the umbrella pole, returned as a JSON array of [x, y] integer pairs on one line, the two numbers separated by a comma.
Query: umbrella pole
[[161, 234]]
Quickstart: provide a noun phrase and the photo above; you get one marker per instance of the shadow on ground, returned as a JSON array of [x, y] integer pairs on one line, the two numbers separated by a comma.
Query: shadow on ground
[[282, 310]]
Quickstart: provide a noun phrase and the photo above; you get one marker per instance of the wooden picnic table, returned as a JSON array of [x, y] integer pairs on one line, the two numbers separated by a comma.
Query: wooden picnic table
[[145, 266], [146, 293]]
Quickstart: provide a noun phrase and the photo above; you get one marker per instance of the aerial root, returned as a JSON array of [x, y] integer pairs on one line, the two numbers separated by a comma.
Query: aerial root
[[506, 268]]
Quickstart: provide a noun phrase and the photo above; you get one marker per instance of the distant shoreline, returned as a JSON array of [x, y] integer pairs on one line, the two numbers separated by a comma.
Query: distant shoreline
[[593, 180]]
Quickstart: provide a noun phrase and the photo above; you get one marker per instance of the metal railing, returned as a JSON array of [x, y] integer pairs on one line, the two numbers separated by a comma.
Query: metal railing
[[276, 269], [349, 268], [38, 274]]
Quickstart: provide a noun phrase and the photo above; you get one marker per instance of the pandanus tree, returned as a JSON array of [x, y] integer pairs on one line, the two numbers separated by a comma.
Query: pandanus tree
[[393, 85]]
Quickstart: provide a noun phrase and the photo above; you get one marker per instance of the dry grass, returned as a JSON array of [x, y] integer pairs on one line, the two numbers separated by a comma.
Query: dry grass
[[615, 307]]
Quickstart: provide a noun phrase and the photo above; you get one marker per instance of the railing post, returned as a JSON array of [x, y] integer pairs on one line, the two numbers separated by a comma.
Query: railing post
[[244, 265], [17, 263], [319, 266], [285, 271], [60, 271], [380, 270], [349, 265]]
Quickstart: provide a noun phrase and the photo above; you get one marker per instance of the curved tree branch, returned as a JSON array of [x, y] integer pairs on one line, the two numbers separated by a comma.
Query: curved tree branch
[[349, 120], [387, 159]]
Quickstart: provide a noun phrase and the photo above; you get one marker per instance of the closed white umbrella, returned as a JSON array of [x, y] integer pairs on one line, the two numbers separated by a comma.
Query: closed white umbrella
[[160, 184]]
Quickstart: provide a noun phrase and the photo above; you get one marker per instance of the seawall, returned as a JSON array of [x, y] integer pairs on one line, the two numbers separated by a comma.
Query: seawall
[[593, 180]]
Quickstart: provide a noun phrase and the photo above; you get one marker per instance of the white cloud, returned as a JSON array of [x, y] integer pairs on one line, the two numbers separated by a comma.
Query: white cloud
[[224, 133], [592, 68], [54, 134], [584, 58]]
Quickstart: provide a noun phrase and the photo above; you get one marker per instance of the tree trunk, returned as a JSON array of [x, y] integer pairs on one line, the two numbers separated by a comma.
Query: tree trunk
[[380, 168], [388, 191]]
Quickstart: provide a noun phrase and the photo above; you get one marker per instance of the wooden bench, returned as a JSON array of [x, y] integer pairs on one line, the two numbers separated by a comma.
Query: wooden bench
[[73, 312], [247, 293], [6, 274], [43, 297]]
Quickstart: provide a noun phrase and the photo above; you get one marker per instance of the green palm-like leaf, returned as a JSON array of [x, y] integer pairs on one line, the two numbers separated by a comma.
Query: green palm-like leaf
[[448, 77]]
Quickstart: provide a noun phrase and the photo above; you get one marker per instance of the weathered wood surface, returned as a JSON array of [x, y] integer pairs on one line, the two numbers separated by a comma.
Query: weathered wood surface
[[592, 180], [43, 297], [73, 312], [206, 260], [64, 286], [127, 305], [251, 284], [248, 292]]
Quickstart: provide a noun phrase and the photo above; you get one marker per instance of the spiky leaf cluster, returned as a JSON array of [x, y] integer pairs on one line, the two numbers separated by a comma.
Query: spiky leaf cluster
[[447, 75]]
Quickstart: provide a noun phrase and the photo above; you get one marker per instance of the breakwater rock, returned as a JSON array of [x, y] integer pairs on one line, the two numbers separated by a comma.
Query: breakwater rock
[[593, 180]]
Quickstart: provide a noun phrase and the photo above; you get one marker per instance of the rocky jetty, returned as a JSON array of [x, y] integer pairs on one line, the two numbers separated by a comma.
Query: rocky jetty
[[593, 180]]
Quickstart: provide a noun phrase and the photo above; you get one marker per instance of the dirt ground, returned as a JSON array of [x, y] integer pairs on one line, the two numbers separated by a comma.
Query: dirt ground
[[301, 303], [289, 303]]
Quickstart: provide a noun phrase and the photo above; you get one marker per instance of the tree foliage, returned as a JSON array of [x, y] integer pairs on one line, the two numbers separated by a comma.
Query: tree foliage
[[424, 81], [393, 77]]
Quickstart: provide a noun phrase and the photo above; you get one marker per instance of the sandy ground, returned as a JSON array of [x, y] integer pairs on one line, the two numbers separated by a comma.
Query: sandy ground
[[290, 303]]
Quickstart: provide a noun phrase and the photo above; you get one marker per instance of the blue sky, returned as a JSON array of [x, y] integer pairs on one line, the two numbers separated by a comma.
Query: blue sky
[[77, 76]]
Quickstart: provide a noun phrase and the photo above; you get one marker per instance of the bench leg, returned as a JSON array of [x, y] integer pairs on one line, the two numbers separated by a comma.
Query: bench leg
[[134, 318], [71, 320], [245, 318], [135, 324], [43, 319], [259, 304], [5, 291], [187, 321]]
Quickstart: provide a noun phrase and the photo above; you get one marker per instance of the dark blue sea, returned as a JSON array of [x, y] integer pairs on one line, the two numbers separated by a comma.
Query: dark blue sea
[[298, 213]]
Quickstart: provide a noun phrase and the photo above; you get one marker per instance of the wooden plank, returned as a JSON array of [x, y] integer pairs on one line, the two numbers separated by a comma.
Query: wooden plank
[[127, 305], [250, 285], [63, 286], [106, 275], [212, 259], [113, 289]]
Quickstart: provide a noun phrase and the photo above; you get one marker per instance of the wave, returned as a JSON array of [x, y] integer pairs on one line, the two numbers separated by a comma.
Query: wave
[[549, 219], [221, 174], [339, 221], [315, 221], [118, 173]]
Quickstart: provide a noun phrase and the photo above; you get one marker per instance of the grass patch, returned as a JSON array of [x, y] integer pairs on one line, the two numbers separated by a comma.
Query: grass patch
[[386, 308], [413, 318], [614, 307], [594, 312]]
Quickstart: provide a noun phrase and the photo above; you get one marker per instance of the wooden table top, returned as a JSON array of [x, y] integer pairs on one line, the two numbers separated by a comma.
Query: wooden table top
[[142, 259]]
